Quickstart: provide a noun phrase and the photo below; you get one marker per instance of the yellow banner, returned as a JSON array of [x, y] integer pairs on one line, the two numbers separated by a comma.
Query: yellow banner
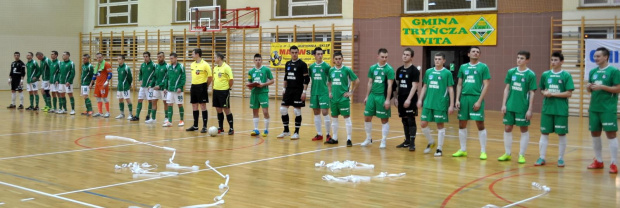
[[463, 30], [280, 52]]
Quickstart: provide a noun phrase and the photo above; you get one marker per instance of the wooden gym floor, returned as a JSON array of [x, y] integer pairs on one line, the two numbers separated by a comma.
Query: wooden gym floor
[[50, 160]]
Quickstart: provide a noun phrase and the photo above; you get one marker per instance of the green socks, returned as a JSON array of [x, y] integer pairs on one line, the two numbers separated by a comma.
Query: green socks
[[181, 111], [138, 109], [72, 103]]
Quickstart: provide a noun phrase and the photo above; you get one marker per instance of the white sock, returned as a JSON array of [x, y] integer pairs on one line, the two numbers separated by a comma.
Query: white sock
[[613, 146], [21, 98], [525, 139], [255, 121], [463, 139], [368, 128], [328, 124], [317, 124], [427, 134], [597, 145], [266, 124], [349, 126], [335, 126], [482, 136], [542, 145], [562, 146], [385, 129], [441, 134], [13, 98], [507, 142]]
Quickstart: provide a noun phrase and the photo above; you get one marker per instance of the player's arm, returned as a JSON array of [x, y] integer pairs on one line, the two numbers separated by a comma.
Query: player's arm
[[329, 88], [130, 77], [565, 94], [231, 80], [368, 89], [451, 93], [354, 86], [528, 114], [422, 94], [414, 88], [505, 97], [485, 89], [610, 89], [182, 80], [71, 73], [459, 89], [306, 80], [386, 105]]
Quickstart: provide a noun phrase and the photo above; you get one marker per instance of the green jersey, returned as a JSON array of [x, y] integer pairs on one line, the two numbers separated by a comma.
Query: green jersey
[[147, 72], [380, 75], [520, 84], [261, 75], [67, 72], [601, 100], [437, 96], [32, 71], [160, 75], [54, 67], [88, 71], [556, 83], [318, 74], [472, 76], [341, 81], [175, 77], [124, 78], [44, 67]]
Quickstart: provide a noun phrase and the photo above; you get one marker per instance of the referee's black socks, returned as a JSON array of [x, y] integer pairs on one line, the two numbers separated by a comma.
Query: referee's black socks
[[205, 116], [220, 120], [196, 114], [229, 118]]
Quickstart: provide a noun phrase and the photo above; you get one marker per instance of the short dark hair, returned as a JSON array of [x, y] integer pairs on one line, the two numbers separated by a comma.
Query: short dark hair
[[174, 55], [410, 51], [86, 55], [220, 55], [440, 54], [258, 56], [31, 53], [382, 50], [316, 49], [604, 50], [69, 54], [476, 47], [162, 53], [55, 52], [294, 48], [338, 54], [39, 53], [558, 54], [99, 53], [524, 53], [198, 51], [122, 56], [147, 53], [16, 52]]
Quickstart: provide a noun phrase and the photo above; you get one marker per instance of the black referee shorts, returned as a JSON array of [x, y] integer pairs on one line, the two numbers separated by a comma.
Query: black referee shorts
[[292, 97], [411, 111], [15, 86], [199, 94], [221, 98]]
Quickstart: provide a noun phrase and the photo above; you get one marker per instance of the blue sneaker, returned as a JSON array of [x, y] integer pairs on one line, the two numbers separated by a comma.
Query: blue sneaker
[[560, 163], [265, 133], [255, 133]]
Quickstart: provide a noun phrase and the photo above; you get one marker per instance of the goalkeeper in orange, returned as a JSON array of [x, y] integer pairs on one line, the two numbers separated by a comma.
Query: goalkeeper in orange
[[102, 80]]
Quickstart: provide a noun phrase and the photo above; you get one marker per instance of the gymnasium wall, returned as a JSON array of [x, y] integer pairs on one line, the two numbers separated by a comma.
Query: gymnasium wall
[[35, 25]]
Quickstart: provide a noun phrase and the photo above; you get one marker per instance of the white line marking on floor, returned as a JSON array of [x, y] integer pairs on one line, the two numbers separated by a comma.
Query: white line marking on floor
[[47, 194]]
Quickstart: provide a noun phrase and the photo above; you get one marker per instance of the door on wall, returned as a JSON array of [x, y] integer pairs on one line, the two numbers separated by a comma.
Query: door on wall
[[455, 57]]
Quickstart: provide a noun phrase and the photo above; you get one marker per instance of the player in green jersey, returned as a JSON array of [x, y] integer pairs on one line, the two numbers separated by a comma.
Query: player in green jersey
[[123, 89], [88, 71], [517, 104], [472, 87], [556, 85], [66, 72], [259, 97], [32, 80], [604, 86], [342, 82], [44, 67], [378, 95], [54, 73], [319, 98], [436, 101], [146, 77], [159, 87], [175, 79]]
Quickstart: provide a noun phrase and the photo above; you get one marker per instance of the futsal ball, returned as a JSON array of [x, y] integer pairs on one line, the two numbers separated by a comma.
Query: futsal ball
[[212, 131]]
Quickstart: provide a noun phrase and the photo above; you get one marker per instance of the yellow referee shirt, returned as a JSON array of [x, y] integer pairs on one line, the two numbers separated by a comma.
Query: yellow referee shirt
[[201, 71], [221, 76]]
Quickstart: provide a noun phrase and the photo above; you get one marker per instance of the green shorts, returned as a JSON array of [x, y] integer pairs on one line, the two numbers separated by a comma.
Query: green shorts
[[553, 123], [467, 108], [514, 118], [259, 100], [319, 101], [374, 107], [603, 121], [342, 108], [436, 116]]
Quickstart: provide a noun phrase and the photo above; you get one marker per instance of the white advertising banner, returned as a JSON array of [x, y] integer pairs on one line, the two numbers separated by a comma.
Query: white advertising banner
[[592, 44]]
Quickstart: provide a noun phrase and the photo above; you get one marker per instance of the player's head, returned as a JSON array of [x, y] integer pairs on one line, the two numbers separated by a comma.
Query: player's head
[[161, 57], [318, 54], [173, 58], [219, 57], [16, 55], [439, 59], [66, 55], [147, 56], [601, 56], [382, 56], [196, 54], [557, 59], [54, 55], [85, 58], [523, 57], [338, 58], [258, 60], [99, 57], [29, 56], [408, 55], [474, 53], [294, 52], [39, 55], [121, 59]]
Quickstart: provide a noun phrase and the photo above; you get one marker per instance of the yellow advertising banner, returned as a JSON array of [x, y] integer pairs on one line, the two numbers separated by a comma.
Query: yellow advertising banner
[[462, 30], [280, 52]]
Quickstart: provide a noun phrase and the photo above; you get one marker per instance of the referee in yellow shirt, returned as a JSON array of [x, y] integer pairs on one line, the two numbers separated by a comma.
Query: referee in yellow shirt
[[223, 81], [199, 95]]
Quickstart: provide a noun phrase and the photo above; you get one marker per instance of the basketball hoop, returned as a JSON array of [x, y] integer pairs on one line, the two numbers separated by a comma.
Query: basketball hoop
[[205, 19]]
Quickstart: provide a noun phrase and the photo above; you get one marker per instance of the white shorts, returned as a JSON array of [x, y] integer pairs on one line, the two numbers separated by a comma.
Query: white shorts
[[174, 98], [62, 88], [32, 86], [143, 94], [84, 90], [123, 94], [45, 85], [53, 87], [155, 94]]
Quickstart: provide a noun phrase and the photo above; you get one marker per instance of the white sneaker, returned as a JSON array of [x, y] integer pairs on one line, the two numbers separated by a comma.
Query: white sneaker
[[366, 142], [438, 153], [106, 115], [129, 117], [429, 147], [52, 111], [120, 116], [94, 115], [72, 112], [150, 121], [284, 134], [63, 112], [382, 145], [59, 111], [167, 124], [295, 136], [181, 123]]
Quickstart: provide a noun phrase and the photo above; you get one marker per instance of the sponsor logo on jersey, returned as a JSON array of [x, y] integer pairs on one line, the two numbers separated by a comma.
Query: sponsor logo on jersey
[[549, 80], [522, 79], [595, 76], [560, 81], [466, 72], [514, 78], [475, 72], [430, 77]]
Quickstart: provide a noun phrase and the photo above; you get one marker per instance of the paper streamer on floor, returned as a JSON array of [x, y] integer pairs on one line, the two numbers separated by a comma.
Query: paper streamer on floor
[[219, 200], [545, 190], [347, 164]]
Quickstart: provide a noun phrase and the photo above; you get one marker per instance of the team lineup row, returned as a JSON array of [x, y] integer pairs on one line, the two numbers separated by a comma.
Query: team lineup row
[[331, 89]]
